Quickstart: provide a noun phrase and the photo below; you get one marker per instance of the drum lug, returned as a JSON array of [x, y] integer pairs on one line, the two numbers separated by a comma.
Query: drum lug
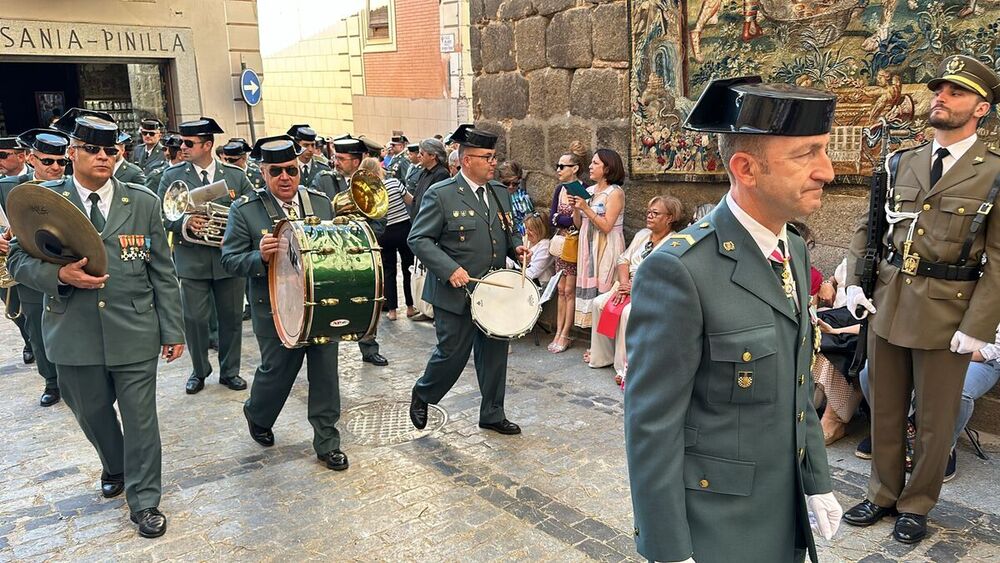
[[310, 303], [312, 220], [349, 337], [341, 220], [359, 300], [321, 340], [361, 249], [329, 302]]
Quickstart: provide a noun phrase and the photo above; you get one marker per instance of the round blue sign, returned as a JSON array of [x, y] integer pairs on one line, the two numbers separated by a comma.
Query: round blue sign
[[250, 87]]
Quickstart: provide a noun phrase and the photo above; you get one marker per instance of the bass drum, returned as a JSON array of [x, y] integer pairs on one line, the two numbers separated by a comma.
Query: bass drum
[[505, 313], [325, 282]]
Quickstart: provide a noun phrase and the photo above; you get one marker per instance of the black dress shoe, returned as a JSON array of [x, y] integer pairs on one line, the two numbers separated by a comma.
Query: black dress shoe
[[27, 355], [236, 383], [152, 523], [867, 513], [194, 384], [418, 411], [910, 528], [375, 359], [503, 427], [112, 485], [261, 435], [335, 460], [49, 397]]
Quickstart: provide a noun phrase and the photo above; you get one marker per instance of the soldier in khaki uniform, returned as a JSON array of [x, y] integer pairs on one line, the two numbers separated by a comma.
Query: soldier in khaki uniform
[[937, 298], [725, 451]]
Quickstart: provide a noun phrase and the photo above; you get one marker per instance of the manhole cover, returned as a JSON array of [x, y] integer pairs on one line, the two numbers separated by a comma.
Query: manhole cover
[[384, 423]]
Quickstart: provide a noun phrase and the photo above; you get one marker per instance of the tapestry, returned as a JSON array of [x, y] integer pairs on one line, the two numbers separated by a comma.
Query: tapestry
[[876, 55]]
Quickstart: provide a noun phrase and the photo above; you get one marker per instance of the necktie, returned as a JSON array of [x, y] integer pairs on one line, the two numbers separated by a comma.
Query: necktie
[[204, 177], [937, 168], [96, 217], [481, 193], [291, 212], [305, 171]]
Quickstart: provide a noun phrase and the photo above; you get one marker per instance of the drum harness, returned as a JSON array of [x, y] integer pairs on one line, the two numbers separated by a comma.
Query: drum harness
[[275, 213]]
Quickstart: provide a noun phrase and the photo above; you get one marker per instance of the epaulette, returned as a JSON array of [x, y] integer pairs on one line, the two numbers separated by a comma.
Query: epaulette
[[327, 172], [994, 150], [314, 191], [245, 198], [446, 183], [679, 243], [179, 164], [233, 166], [141, 189]]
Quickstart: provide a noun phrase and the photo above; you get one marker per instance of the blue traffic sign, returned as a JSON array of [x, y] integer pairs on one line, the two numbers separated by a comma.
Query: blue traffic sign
[[250, 87]]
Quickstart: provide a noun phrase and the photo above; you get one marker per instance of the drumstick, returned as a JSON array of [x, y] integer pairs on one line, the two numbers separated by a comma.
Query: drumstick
[[524, 267], [495, 284]]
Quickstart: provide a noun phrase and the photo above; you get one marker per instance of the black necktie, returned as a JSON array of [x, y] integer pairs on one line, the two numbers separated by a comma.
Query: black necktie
[[937, 168], [481, 193], [305, 171], [204, 177], [96, 217]]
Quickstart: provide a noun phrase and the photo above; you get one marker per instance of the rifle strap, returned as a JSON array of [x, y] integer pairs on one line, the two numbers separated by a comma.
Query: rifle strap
[[978, 220]]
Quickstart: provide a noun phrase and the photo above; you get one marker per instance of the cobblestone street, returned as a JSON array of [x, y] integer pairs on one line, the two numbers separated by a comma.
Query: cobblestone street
[[558, 492]]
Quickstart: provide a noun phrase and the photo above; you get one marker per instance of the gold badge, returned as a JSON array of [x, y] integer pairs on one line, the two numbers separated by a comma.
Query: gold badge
[[125, 200], [978, 159], [729, 246], [955, 65], [703, 225], [675, 244], [744, 379], [66, 194], [454, 213], [472, 213], [747, 356]]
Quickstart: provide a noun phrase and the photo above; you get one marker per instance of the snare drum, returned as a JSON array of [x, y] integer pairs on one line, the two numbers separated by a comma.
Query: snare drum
[[504, 313], [325, 282]]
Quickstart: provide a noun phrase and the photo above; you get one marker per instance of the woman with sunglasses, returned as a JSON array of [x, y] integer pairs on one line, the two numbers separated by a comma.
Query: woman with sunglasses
[[561, 215], [511, 175]]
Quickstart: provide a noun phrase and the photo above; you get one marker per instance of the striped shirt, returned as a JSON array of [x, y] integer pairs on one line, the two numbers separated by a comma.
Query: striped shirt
[[397, 207]]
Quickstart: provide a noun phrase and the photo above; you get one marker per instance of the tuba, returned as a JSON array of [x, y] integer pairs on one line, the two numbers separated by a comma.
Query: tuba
[[179, 200], [6, 280], [365, 196]]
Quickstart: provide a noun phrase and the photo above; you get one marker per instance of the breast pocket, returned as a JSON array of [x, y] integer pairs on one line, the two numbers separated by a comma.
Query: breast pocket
[[904, 198], [461, 230], [745, 366], [954, 218]]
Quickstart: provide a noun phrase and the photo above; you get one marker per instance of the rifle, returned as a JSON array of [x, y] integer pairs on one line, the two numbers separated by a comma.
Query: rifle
[[877, 227]]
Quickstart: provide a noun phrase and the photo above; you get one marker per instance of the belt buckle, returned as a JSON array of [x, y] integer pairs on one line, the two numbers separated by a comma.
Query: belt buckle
[[985, 208], [910, 264]]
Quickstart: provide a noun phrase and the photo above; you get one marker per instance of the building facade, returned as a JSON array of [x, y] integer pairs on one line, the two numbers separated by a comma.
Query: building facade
[[367, 67], [174, 61]]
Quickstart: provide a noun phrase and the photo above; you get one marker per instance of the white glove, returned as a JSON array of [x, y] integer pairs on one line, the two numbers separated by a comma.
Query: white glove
[[824, 514], [964, 344], [856, 298]]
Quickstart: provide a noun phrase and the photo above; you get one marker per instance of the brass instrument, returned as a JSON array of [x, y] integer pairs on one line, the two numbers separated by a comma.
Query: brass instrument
[[179, 200], [6, 280], [365, 196]]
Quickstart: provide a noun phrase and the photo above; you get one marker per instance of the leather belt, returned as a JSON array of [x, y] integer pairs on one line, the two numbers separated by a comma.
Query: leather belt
[[940, 271]]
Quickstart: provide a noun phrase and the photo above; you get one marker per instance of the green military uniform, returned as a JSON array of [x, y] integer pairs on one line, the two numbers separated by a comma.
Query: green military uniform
[[29, 302], [399, 166], [330, 182], [202, 277], [130, 173], [154, 177], [452, 230], [255, 176], [249, 219], [105, 342], [310, 170], [148, 161]]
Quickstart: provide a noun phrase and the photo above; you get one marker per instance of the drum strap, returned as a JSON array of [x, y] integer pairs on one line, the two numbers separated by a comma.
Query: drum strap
[[307, 208], [269, 205]]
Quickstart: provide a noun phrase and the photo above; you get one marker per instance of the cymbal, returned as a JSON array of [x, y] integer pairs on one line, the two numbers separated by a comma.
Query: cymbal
[[49, 227]]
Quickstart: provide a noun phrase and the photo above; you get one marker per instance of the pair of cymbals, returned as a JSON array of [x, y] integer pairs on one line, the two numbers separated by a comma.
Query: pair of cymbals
[[51, 228]]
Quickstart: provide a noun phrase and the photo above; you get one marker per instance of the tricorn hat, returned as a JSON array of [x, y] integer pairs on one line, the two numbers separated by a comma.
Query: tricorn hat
[[95, 131], [745, 105], [203, 126], [970, 74], [67, 122], [276, 149], [45, 141], [349, 145], [302, 132], [468, 136], [150, 124], [11, 144]]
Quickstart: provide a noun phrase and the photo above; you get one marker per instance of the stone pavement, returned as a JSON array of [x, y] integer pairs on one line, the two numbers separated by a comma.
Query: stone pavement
[[558, 492]]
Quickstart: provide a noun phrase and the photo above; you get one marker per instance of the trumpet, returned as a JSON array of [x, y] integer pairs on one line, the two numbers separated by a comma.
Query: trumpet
[[365, 196], [180, 200]]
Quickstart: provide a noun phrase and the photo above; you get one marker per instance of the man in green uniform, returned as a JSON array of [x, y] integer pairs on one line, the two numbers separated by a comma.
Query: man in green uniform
[[150, 155], [199, 268], [305, 137], [104, 333], [349, 152], [172, 153], [13, 164], [48, 158], [725, 451], [464, 228], [934, 275], [248, 249], [399, 163], [125, 171]]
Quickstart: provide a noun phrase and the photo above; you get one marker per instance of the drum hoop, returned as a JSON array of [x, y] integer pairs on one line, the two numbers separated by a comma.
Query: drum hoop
[[379, 274], [308, 313], [272, 282], [486, 331]]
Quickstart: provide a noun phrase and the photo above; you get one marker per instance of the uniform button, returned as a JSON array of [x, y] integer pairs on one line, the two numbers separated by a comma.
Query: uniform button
[[494, 241], [920, 231], [101, 304], [961, 210], [747, 356], [802, 416], [907, 281], [802, 379], [802, 453], [703, 483], [47, 308], [927, 207], [898, 197], [959, 295]]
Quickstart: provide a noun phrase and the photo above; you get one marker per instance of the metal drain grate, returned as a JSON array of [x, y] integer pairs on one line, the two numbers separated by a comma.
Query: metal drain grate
[[384, 423]]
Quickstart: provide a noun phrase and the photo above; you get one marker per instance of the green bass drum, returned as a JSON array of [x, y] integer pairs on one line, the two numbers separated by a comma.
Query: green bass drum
[[325, 281]]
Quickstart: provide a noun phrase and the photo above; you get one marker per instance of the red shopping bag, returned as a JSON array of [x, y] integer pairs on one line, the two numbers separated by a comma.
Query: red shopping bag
[[611, 316]]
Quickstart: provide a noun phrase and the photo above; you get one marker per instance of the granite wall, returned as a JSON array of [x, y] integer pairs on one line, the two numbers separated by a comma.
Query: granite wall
[[548, 72]]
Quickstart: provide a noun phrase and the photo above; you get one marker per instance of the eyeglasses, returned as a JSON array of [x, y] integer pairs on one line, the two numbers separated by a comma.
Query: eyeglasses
[[148, 133], [5, 155], [94, 149], [51, 161], [486, 157], [232, 159], [654, 213], [561, 166], [190, 144], [276, 171]]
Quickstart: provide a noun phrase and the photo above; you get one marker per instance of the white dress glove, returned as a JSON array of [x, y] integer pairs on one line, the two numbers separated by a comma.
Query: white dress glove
[[825, 513], [964, 344], [856, 298]]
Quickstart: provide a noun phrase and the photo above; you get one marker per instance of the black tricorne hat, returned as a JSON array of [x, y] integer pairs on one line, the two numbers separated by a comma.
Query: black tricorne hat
[[399, 140], [467, 136], [95, 131], [45, 141], [11, 144], [745, 105], [349, 145], [276, 149], [67, 122], [203, 126], [413, 148], [172, 140], [374, 148], [234, 149], [150, 124], [302, 132]]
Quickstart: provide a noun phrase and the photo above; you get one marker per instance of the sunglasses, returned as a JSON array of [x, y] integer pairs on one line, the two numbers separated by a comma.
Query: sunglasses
[[276, 171], [148, 133], [512, 183], [190, 144], [232, 159], [94, 149], [561, 166], [51, 161], [5, 155]]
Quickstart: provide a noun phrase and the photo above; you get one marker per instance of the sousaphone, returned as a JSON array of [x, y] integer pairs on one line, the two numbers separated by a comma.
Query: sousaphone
[[365, 196]]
